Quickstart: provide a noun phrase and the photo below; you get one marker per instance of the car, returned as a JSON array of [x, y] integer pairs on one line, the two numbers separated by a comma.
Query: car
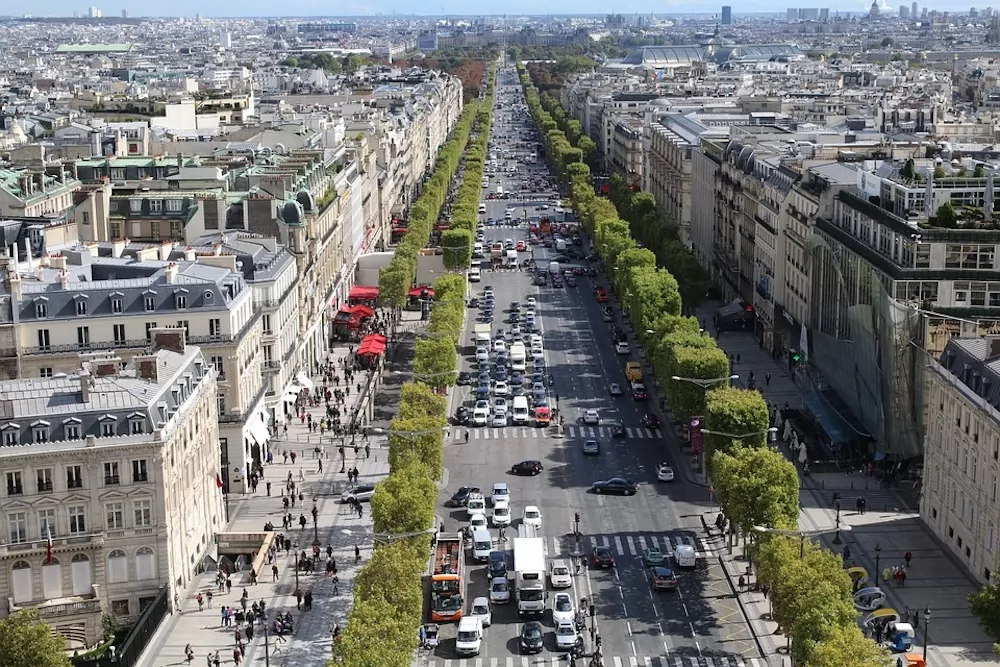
[[566, 637], [501, 515], [515, 306], [651, 421], [618, 430], [482, 392], [591, 448], [608, 316], [459, 498], [571, 280], [462, 415], [477, 521], [532, 516], [532, 638], [601, 295], [464, 378], [499, 345], [527, 468], [639, 392], [591, 416], [481, 610], [497, 565], [514, 318], [515, 331], [358, 493], [602, 557], [618, 485], [652, 556], [482, 357], [500, 590], [664, 473], [560, 577], [501, 388], [615, 389], [532, 301], [662, 579], [499, 404], [499, 419], [501, 493], [622, 347], [480, 416]]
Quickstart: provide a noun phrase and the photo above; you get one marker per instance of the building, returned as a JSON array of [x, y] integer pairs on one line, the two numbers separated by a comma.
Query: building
[[36, 192], [961, 450], [727, 15], [116, 465]]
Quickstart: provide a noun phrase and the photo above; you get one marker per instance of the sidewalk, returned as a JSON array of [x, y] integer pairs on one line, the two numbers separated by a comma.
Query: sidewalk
[[336, 527]]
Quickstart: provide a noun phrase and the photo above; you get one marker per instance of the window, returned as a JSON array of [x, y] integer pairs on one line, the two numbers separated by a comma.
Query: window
[[111, 475], [17, 527], [182, 302], [86, 218], [119, 332], [135, 205], [149, 302], [221, 404], [214, 327], [149, 326], [265, 321], [14, 485], [77, 519], [155, 205], [74, 477], [116, 305], [47, 522], [175, 228], [41, 310], [81, 307], [114, 516], [44, 478], [45, 372], [184, 324], [137, 426], [118, 174], [139, 472], [10, 435], [43, 339], [175, 205], [120, 607], [83, 336], [40, 432], [115, 230], [117, 567], [217, 363], [143, 510]]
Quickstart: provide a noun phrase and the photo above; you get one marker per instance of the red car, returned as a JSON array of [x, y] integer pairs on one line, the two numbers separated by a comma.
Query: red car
[[602, 557], [602, 296], [521, 247]]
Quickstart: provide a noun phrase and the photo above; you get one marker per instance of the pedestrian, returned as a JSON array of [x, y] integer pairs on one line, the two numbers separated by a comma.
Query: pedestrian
[[864, 504], [321, 465], [361, 510], [298, 599], [238, 636], [215, 659], [466, 436], [237, 656], [857, 504], [302, 521], [268, 485], [201, 601], [906, 557], [292, 455], [357, 554], [274, 573], [737, 358], [767, 379], [368, 451], [250, 632], [209, 596]]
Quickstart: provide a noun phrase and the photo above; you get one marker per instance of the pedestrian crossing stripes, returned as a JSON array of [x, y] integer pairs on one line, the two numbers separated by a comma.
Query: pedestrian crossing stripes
[[529, 432], [628, 545], [609, 661]]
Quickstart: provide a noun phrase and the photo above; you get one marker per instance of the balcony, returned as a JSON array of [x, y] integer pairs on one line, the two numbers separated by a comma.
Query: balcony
[[236, 418], [40, 545], [45, 487], [64, 606], [112, 480], [73, 348], [140, 478], [226, 338], [15, 490]]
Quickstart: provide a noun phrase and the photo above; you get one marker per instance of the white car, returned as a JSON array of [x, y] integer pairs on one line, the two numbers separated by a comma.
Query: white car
[[664, 473], [621, 347], [499, 405], [530, 313], [501, 515], [480, 416], [536, 339], [499, 419], [501, 388], [591, 416], [481, 609], [482, 356], [359, 493], [615, 389], [531, 301], [565, 635], [536, 349], [515, 331], [532, 516], [499, 345], [500, 590], [477, 521], [501, 493], [559, 574], [563, 609]]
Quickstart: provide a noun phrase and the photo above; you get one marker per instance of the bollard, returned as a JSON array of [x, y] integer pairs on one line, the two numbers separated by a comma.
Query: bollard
[[822, 483]]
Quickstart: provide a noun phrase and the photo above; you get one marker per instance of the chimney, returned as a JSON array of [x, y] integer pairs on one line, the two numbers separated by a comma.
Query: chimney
[[147, 367], [990, 197], [40, 180], [166, 247], [14, 283], [217, 249], [58, 262], [86, 383], [106, 367], [167, 338], [46, 260], [189, 254], [64, 279], [180, 160], [90, 441], [171, 273], [929, 193], [118, 247]]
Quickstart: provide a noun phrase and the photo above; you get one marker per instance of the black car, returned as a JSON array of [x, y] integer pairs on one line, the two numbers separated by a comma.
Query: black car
[[460, 497], [532, 637], [651, 421], [602, 557], [514, 318], [498, 564], [474, 302], [464, 378], [527, 468], [617, 430], [618, 485], [462, 415]]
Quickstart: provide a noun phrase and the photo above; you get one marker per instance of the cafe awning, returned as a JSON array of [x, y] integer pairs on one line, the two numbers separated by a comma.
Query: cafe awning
[[372, 345], [303, 381], [419, 291], [363, 293]]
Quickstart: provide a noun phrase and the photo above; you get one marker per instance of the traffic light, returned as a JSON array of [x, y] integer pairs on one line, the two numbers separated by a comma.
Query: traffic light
[[576, 518]]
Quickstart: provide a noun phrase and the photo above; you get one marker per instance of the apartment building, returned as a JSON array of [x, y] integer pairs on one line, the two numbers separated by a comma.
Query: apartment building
[[962, 450], [113, 296], [110, 485], [35, 192]]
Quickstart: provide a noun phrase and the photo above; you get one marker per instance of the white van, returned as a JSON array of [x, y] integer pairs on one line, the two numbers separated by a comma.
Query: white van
[[482, 209], [486, 182], [482, 545], [684, 555], [521, 415], [470, 636], [475, 274], [476, 504]]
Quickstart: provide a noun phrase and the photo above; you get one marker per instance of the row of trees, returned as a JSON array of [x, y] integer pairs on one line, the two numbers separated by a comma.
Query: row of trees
[[382, 628], [755, 485]]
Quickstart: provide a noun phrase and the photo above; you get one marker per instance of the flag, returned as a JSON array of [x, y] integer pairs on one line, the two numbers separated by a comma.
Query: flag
[[48, 543], [218, 480]]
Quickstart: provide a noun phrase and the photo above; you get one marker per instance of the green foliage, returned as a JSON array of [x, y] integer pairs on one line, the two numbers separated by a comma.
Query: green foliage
[[417, 400], [394, 575], [683, 359], [28, 641], [946, 215], [435, 360], [979, 171], [985, 606], [394, 284], [737, 412], [939, 172], [375, 637], [848, 647], [756, 486], [909, 169]]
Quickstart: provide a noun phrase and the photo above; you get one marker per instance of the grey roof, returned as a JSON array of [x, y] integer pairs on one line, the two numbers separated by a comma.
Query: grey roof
[[664, 56], [975, 362]]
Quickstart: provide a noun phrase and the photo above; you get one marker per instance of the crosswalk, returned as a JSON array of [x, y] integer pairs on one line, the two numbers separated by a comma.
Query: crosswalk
[[627, 545], [528, 432], [609, 661]]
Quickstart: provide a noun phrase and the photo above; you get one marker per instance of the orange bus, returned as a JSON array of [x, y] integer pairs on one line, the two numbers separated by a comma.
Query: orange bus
[[448, 579]]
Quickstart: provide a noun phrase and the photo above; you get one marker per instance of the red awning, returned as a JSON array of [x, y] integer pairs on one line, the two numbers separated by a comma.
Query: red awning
[[363, 293], [372, 345], [419, 291]]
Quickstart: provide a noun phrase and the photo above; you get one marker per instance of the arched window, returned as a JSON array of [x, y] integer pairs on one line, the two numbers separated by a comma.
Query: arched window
[[52, 579], [83, 577], [20, 581], [145, 564], [117, 567]]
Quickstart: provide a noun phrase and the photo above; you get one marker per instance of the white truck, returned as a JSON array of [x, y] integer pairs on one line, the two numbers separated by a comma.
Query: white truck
[[483, 333], [518, 356], [529, 573]]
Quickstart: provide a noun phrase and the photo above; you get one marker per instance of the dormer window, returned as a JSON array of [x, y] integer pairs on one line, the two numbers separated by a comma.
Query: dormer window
[[155, 205], [181, 299], [41, 309], [80, 302], [149, 302], [10, 433], [71, 428], [209, 295], [109, 426], [40, 431], [162, 409], [136, 423]]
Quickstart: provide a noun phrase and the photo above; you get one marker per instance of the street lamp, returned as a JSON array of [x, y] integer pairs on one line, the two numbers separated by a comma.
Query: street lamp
[[267, 654], [705, 383], [836, 537], [927, 622], [295, 555], [801, 534], [878, 551]]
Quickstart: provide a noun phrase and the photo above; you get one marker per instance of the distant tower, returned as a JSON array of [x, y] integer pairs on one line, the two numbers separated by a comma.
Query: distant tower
[[727, 15], [124, 13], [913, 10], [993, 33], [874, 13]]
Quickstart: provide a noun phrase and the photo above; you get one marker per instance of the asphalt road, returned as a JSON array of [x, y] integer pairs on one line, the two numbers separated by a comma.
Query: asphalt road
[[699, 624]]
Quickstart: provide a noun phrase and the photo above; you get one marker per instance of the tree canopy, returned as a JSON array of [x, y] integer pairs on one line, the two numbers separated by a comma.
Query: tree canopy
[[28, 641]]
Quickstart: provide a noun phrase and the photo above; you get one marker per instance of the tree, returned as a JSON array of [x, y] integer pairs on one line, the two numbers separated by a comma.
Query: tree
[[737, 412], [422, 435], [28, 641], [398, 506], [848, 647], [756, 486], [456, 245], [435, 360], [417, 400], [985, 606], [909, 170], [979, 171], [394, 285], [375, 637], [946, 215], [939, 172], [394, 574]]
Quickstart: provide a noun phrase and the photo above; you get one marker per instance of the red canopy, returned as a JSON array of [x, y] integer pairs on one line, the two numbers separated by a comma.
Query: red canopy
[[419, 291], [363, 293], [372, 345]]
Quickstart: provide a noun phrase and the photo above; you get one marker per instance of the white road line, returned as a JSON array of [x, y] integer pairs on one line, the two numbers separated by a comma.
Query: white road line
[[633, 661], [709, 662], [509, 661], [617, 661], [678, 662], [642, 543], [631, 545], [618, 545], [658, 433], [694, 661]]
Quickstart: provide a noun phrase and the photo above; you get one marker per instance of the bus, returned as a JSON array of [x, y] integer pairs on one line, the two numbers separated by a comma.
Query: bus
[[448, 579]]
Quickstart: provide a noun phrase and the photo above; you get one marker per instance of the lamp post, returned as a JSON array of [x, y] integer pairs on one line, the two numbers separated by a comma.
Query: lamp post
[[836, 537], [295, 555], [927, 622], [878, 551], [315, 515], [267, 653], [733, 436], [801, 534], [705, 384]]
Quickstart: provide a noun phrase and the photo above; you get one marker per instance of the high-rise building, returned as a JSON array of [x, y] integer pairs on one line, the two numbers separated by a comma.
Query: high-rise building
[[792, 14], [727, 15], [904, 12], [95, 13], [824, 14], [913, 10], [124, 13]]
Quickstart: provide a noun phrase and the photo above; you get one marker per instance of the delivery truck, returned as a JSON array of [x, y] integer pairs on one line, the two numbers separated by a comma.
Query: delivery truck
[[529, 568], [482, 333]]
